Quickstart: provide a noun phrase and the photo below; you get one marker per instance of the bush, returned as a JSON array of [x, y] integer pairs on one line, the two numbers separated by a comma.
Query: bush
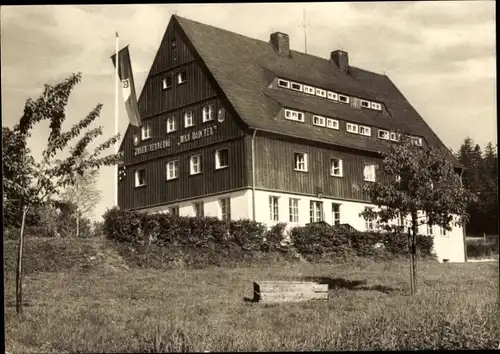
[[481, 248]]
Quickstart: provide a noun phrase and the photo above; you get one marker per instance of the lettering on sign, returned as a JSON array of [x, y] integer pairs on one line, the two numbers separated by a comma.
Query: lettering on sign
[[153, 147], [209, 131]]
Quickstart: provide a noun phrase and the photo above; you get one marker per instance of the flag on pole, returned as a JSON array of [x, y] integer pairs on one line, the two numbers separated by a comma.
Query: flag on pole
[[128, 87]]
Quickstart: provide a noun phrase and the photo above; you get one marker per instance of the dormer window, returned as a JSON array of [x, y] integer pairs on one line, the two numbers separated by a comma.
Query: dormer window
[[166, 82], [295, 86], [308, 89], [365, 104], [365, 130], [344, 98], [320, 92], [352, 128], [181, 77], [332, 123], [332, 96], [283, 83], [294, 115], [376, 106], [383, 134], [319, 120]]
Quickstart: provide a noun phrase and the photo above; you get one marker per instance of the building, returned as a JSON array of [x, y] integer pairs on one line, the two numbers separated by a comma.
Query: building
[[235, 127]]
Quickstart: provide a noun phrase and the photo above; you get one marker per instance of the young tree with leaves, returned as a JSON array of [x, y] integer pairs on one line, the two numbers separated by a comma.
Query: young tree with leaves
[[33, 183], [418, 184]]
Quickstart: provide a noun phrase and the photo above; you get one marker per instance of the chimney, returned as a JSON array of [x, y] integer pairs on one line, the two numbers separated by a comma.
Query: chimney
[[341, 59], [281, 43]]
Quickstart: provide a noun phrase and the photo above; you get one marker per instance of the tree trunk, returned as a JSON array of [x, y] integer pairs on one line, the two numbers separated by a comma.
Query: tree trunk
[[414, 217], [410, 251], [77, 223], [19, 272]]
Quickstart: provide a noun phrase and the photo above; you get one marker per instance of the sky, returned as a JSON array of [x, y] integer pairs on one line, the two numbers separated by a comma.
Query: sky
[[441, 55]]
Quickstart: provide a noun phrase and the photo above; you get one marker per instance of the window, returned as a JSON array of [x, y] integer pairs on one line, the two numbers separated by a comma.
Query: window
[[295, 86], [195, 164], [376, 106], [140, 178], [166, 82], [332, 96], [172, 170], [383, 134], [365, 104], [283, 83], [336, 213], [365, 130], [352, 128], [293, 209], [225, 208], [181, 77], [173, 210], [343, 98], [315, 211], [369, 223], [308, 89], [332, 123], [319, 120], [394, 136], [442, 231], [199, 210], [336, 167], [369, 173], [221, 158], [300, 161], [294, 115], [320, 92], [273, 208], [429, 230], [415, 140], [171, 126], [146, 131], [188, 119], [208, 113]]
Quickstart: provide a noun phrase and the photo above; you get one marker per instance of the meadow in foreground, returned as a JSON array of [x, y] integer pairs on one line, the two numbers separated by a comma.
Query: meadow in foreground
[[114, 309]]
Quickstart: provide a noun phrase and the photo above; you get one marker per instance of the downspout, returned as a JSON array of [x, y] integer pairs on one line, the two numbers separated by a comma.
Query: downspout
[[253, 174], [463, 226]]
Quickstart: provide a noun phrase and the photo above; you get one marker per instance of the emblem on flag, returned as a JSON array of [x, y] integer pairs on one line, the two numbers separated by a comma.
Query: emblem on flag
[[125, 83], [221, 115], [136, 140], [122, 173]]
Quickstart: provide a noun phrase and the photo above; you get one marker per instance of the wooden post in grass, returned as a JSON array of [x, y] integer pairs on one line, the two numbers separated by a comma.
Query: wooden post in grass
[[412, 273], [19, 273]]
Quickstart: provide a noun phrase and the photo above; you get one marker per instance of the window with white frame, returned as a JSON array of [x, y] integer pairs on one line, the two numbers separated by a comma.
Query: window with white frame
[[294, 115], [274, 208], [171, 126], [315, 211], [181, 77], [383, 134], [332, 96], [442, 231], [369, 173], [395, 136], [140, 177], [188, 119], [300, 161], [293, 209], [199, 210], [172, 170], [225, 208], [344, 98], [146, 131], [336, 167], [221, 158], [365, 130], [376, 106], [365, 104], [308, 89], [319, 120], [415, 140], [336, 213], [195, 164], [173, 210], [320, 92], [332, 123], [369, 223], [166, 82], [430, 230], [283, 83], [352, 128], [208, 113], [296, 86]]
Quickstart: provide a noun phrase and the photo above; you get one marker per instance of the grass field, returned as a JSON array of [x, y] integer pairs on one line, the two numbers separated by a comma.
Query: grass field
[[109, 308]]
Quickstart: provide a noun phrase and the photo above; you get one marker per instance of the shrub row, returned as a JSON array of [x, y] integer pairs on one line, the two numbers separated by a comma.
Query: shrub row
[[231, 240], [482, 249]]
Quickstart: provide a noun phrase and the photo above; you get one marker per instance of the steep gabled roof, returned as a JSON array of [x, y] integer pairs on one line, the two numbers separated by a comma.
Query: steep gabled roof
[[244, 67]]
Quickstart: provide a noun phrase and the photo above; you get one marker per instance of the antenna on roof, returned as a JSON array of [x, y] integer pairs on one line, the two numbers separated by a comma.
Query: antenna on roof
[[305, 25]]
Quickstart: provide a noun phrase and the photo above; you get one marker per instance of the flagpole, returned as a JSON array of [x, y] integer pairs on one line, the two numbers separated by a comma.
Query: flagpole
[[117, 87]]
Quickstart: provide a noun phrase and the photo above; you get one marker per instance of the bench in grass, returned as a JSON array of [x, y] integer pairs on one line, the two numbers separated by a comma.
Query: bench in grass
[[288, 291]]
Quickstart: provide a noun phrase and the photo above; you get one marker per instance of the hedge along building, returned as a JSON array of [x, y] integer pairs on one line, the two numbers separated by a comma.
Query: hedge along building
[[235, 127]]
